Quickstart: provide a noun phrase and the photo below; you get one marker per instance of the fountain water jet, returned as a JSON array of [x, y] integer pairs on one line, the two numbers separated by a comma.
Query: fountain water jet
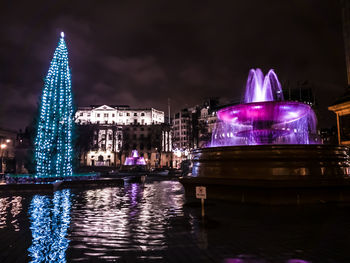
[[265, 118]]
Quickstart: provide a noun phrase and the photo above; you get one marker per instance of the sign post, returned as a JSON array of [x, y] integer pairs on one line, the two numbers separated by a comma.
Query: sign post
[[201, 193]]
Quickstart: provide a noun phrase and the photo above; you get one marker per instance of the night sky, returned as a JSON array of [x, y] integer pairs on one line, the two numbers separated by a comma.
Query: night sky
[[141, 53]]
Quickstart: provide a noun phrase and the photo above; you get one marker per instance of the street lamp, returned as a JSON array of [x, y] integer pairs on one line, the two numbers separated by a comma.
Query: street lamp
[[2, 147]]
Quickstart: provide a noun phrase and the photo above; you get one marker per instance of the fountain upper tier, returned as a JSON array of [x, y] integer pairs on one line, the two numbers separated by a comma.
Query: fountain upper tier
[[272, 112], [264, 117]]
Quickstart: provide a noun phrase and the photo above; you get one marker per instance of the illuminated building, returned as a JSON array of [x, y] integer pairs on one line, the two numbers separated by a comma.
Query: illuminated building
[[118, 115], [342, 106], [117, 130]]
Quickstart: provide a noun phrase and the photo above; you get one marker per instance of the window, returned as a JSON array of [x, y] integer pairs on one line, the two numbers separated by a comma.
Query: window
[[142, 114], [88, 114], [128, 114], [135, 114], [113, 115], [120, 114], [97, 115], [81, 114], [106, 115]]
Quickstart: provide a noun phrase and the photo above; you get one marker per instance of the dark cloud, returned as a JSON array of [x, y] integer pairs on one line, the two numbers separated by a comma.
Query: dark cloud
[[142, 53]]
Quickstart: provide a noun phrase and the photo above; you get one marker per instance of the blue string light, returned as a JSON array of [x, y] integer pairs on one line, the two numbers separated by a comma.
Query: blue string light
[[53, 144]]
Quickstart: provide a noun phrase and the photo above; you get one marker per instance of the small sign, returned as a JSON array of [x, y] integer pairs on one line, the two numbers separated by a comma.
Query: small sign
[[201, 192]]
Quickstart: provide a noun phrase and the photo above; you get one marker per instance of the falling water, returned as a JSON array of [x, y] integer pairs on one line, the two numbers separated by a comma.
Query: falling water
[[264, 117]]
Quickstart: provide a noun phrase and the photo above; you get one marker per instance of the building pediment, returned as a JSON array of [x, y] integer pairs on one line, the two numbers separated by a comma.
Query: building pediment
[[104, 108]]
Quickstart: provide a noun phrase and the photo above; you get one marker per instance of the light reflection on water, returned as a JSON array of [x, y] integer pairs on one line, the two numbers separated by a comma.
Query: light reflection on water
[[50, 219], [150, 223], [133, 218], [10, 208]]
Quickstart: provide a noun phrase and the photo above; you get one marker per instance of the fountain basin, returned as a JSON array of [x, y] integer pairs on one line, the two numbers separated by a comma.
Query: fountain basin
[[271, 174]]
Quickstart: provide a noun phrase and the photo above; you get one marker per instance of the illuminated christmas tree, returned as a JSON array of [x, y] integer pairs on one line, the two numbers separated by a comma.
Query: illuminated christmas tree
[[53, 144]]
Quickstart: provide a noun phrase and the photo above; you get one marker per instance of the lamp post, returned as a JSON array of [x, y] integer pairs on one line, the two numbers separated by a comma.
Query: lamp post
[[3, 146]]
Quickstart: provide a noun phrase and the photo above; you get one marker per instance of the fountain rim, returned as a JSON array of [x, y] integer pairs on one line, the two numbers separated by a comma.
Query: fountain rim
[[271, 146], [272, 104]]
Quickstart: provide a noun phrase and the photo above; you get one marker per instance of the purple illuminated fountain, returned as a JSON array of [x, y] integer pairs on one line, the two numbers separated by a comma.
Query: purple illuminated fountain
[[135, 159], [265, 118], [266, 151]]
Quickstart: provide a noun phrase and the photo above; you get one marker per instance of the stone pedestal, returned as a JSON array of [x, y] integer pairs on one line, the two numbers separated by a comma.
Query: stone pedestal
[[271, 174]]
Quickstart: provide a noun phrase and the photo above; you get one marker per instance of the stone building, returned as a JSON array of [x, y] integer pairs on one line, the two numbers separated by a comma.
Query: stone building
[[118, 115], [341, 107], [192, 128], [110, 133]]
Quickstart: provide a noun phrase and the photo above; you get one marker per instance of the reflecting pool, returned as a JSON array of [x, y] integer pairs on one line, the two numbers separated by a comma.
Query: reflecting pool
[[150, 223]]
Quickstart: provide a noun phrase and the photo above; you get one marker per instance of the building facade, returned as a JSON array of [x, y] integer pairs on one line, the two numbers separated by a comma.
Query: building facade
[[192, 129], [118, 115], [112, 132], [342, 106]]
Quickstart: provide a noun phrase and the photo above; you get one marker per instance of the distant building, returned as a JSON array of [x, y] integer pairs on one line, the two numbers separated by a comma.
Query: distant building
[[192, 128], [112, 132], [183, 129], [341, 107], [118, 115], [303, 92]]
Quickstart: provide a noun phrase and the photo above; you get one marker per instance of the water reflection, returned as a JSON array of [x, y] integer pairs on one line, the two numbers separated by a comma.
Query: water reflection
[[50, 219], [10, 209], [111, 221], [148, 223]]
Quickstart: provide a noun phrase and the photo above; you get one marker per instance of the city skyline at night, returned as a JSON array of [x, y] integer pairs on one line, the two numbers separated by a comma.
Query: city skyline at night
[[181, 51]]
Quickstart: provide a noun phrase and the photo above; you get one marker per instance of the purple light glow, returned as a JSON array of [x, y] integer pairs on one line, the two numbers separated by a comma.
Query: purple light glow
[[264, 118], [135, 159]]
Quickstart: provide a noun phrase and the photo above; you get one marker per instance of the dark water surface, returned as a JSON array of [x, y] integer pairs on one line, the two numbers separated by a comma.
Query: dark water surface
[[149, 223]]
